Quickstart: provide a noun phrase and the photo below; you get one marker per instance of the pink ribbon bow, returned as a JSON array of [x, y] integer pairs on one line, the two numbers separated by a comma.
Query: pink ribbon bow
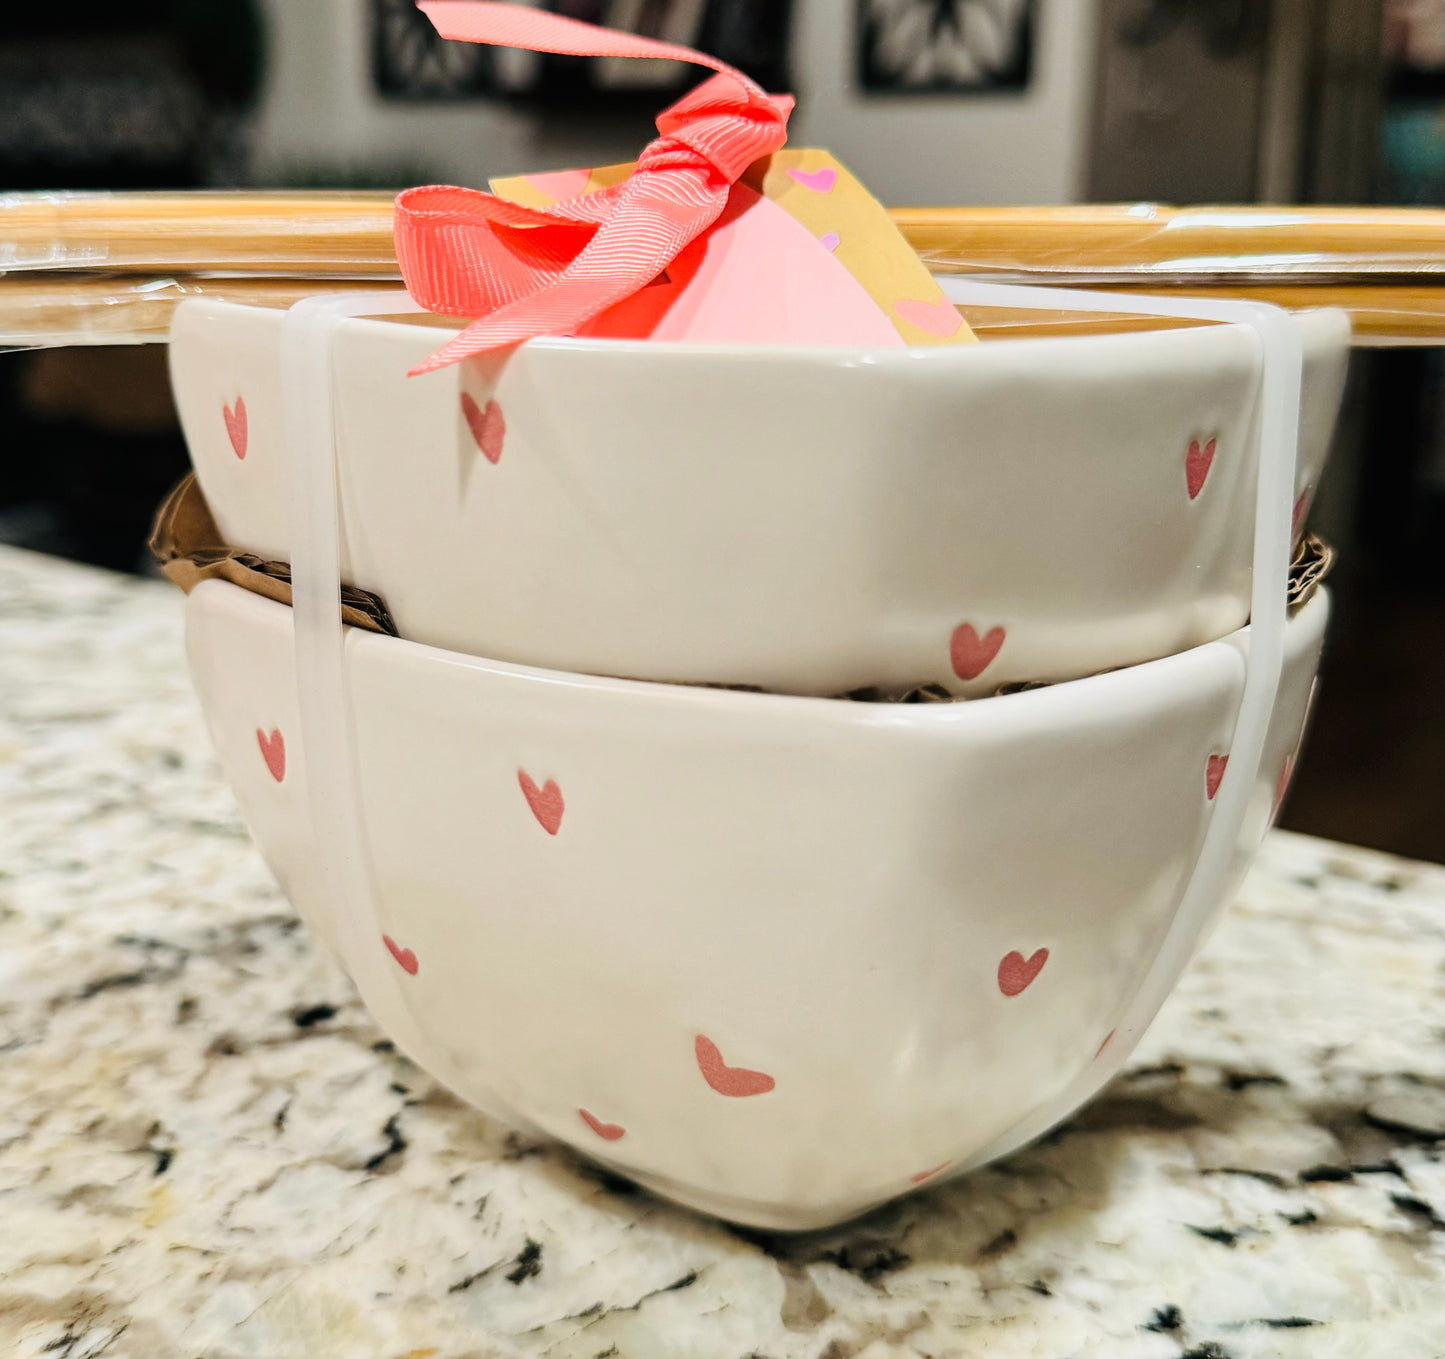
[[524, 271]]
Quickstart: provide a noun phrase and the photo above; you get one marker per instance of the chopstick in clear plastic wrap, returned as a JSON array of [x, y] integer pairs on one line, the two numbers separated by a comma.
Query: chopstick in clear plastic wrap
[[294, 234], [1112, 244], [52, 310], [99, 268], [1385, 266]]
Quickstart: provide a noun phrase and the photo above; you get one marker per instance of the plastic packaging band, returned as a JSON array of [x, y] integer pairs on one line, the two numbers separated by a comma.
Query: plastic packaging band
[[1277, 438], [338, 831]]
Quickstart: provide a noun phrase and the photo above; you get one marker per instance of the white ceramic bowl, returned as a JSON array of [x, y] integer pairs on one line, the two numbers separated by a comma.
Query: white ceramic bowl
[[802, 520], [779, 958]]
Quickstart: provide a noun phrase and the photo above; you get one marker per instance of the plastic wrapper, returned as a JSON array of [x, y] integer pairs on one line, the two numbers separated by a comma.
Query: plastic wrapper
[[293, 234], [1113, 244], [1382, 316], [51, 310], [102, 268], [1385, 266]]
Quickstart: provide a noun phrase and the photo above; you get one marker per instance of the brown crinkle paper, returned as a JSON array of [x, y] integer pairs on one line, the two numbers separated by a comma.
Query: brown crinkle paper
[[187, 546]]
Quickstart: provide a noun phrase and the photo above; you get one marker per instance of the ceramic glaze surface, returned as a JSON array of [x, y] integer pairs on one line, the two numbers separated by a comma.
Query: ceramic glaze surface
[[802, 520], [780, 958]]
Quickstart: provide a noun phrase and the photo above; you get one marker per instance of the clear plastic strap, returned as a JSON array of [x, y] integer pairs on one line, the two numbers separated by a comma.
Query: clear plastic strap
[[1277, 438], [339, 844]]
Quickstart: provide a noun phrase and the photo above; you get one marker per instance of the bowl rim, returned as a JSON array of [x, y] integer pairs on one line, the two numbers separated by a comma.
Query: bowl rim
[[1107, 688], [1031, 349]]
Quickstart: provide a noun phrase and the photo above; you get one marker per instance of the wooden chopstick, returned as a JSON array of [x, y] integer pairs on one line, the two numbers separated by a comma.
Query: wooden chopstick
[[349, 233], [321, 234], [1116, 242], [1385, 266]]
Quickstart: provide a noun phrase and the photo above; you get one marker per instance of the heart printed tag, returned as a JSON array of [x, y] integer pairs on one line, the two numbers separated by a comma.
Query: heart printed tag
[[802, 253]]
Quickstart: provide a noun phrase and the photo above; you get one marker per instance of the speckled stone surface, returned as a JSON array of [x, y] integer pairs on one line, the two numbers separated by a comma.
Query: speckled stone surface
[[207, 1151]]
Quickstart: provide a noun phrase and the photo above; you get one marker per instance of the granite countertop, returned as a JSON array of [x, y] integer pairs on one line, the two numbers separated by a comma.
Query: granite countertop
[[207, 1150]]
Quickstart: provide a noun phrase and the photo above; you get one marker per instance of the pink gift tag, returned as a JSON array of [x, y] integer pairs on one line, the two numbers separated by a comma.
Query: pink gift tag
[[758, 277]]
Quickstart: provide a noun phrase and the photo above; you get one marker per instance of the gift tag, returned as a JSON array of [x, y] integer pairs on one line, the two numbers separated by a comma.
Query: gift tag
[[802, 254]]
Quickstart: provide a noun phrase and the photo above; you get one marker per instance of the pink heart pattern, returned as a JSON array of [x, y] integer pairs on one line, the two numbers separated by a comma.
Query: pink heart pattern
[[1281, 785], [820, 181], [546, 802], [1197, 462], [928, 1174], [971, 654], [735, 1082], [939, 318], [1016, 973], [1214, 774], [405, 958], [236, 427], [829, 240], [488, 426], [273, 751], [608, 1132], [1297, 515]]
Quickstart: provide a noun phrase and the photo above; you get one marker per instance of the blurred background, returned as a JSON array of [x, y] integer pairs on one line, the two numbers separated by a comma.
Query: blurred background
[[929, 101]]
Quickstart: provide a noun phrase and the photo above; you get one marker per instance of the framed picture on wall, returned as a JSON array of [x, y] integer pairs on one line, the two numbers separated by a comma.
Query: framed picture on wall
[[944, 46], [409, 60]]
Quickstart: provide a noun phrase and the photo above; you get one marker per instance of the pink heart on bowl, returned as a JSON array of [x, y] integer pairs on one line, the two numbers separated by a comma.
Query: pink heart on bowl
[[829, 240], [1281, 784], [1297, 515], [1197, 462], [236, 426], [736, 1082], [928, 1174], [820, 181], [273, 751], [971, 654], [608, 1132], [405, 958], [1016, 973], [487, 425], [546, 802], [939, 318], [1214, 773]]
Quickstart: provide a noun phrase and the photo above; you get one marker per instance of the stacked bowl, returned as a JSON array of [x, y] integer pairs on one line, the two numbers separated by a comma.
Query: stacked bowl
[[661, 860]]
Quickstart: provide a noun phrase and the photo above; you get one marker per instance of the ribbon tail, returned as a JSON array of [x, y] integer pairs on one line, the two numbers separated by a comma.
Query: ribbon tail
[[503, 25], [524, 272]]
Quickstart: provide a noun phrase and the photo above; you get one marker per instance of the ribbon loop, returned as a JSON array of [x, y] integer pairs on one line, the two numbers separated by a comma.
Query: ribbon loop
[[524, 271]]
